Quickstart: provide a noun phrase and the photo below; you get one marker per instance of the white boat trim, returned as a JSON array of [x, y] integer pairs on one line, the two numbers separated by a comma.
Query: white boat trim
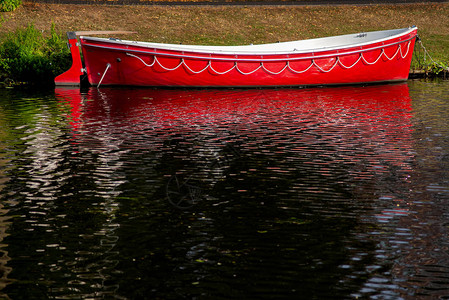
[[314, 55], [296, 47]]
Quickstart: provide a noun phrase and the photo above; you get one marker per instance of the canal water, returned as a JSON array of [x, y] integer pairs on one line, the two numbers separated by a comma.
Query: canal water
[[225, 194]]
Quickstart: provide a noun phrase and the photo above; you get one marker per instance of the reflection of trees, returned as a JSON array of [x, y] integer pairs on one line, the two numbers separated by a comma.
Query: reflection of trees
[[63, 197], [263, 210], [4, 219], [197, 171], [298, 197], [422, 236]]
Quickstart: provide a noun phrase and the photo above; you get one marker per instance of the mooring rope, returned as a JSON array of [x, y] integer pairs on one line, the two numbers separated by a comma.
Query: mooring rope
[[428, 54], [287, 63]]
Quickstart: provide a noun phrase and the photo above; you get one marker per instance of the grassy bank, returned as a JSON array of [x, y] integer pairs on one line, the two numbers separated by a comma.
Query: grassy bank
[[231, 25]]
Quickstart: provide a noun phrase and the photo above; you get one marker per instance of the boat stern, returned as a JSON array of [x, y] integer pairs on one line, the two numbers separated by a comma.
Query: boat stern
[[72, 77]]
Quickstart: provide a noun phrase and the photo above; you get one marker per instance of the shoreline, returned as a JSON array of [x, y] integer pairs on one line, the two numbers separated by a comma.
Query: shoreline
[[240, 25]]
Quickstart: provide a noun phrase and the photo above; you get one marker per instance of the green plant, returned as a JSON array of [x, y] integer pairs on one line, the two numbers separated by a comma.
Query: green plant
[[59, 56], [27, 56], [423, 61], [436, 67], [9, 5]]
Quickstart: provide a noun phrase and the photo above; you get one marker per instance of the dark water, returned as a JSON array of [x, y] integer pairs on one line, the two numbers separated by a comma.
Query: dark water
[[225, 194]]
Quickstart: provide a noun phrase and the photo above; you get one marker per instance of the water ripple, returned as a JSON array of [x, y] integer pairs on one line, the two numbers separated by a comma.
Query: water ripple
[[153, 193]]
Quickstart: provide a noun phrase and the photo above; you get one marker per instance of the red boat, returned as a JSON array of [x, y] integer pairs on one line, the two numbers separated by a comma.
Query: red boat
[[379, 56]]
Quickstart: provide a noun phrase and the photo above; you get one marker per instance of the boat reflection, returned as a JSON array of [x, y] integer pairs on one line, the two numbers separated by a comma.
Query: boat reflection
[[309, 173], [366, 127], [179, 107]]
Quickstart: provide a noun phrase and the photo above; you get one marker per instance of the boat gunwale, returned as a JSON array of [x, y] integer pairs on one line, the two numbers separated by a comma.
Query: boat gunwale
[[228, 50], [261, 59]]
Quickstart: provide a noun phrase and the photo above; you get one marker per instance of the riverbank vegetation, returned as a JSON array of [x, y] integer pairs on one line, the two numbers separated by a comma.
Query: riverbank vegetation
[[9, 5], [32, 38], [27, 56]]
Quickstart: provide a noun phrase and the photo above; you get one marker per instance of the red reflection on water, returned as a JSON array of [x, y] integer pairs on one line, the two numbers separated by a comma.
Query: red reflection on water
[[364, 130], [375, 119], [179, 107]]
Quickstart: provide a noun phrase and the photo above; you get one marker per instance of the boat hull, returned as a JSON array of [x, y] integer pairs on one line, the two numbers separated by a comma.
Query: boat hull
[[111, 62]]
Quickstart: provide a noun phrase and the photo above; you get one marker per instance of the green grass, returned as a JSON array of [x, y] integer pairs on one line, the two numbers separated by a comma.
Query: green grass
[[9, 5]]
